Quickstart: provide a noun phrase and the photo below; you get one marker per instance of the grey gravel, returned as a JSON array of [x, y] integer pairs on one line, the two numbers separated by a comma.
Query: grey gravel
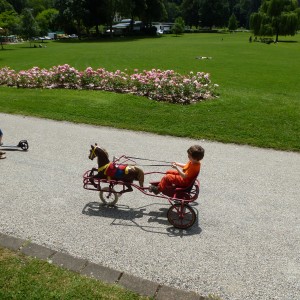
[[245, 244]]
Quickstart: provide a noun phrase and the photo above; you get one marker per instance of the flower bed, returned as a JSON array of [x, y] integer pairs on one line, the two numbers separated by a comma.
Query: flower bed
[[155, 84]]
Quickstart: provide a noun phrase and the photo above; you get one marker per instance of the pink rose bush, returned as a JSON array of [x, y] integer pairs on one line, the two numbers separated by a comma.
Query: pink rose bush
[[155, 84]]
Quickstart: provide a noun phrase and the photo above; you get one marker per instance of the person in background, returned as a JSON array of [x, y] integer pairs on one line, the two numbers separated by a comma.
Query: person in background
[[2, 153]]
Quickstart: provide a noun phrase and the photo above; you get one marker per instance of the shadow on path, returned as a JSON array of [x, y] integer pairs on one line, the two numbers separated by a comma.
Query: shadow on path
[[123, 215]]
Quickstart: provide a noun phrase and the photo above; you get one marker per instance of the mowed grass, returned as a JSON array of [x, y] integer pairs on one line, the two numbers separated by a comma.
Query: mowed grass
[[27, 278], [258, 100]]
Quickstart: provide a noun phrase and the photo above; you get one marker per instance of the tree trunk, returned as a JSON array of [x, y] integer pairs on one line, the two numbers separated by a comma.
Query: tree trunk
[[277, 33]]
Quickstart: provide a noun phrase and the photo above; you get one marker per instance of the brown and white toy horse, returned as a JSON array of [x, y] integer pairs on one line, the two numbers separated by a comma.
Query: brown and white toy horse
[[110, 170]]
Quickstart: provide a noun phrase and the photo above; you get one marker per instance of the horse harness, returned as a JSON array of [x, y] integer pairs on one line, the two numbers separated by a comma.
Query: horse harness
[[111, 170]]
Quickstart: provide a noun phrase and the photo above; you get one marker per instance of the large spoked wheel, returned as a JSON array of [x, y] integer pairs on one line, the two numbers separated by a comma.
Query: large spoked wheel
[[109, 196], [181, 216]]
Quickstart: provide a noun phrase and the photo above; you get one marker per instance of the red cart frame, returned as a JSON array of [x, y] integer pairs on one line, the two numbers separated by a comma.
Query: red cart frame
[[180, 214]]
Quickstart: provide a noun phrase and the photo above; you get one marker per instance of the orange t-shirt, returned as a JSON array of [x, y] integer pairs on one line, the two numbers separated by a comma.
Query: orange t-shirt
[[191, 170]]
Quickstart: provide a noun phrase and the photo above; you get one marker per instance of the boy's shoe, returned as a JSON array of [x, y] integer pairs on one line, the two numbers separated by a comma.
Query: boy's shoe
[[2, 152], [153, 189], [2, 156]]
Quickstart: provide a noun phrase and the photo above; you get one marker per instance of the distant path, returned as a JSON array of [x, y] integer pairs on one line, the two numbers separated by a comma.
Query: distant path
[[246, 244]]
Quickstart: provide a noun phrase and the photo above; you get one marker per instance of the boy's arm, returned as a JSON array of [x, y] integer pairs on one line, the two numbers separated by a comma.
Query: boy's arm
[[179, 169], [179, 164]]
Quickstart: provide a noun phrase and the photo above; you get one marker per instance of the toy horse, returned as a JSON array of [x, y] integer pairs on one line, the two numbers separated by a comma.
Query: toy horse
[[110, 170]]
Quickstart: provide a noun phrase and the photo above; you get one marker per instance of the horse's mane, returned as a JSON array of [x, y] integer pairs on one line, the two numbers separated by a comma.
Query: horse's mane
[[105, 152], [102, 155]]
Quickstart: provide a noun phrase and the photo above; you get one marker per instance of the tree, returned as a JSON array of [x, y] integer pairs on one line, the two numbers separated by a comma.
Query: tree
[[5, 6], [110, 9], [18, 5], [132, 9], [275, 17], [178, 27], [10, 22], [37, 6], [29, 25], [47, 20], [95, 15], [190, 12], [242, 10], [214, 13], [173, 11], [232, 23], [155, 11], [71, 13]]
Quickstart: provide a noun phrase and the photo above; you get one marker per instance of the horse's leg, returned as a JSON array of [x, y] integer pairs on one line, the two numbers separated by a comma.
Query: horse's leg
[[98, 175], [135, 173], [129, 189], [140, 176], [92, 176]]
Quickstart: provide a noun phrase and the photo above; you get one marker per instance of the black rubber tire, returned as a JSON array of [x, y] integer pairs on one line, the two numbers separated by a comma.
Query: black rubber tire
[[24, 145], [181, 216]]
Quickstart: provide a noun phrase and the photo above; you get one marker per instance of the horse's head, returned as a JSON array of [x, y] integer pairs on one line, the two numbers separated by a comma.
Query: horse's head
[[100, 153]]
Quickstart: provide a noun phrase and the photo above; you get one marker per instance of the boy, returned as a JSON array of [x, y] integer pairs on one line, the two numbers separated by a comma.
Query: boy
[[2, 153], [184, 174]]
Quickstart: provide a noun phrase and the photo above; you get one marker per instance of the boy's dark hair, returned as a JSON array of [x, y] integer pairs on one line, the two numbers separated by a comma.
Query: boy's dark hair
[[196, 152]]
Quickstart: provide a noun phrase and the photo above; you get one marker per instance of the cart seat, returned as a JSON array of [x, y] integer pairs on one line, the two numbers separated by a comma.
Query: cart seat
[[189, 193]]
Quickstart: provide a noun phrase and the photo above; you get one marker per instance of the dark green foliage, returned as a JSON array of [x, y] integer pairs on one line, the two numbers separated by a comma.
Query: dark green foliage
[[89, 16], [191, 12], [276, 17], [178, 27], [214, 13], [232, 24], [5, 6], [29, 26]]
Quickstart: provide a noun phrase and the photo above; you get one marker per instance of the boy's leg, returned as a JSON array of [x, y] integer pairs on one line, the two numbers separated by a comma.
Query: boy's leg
[[174, 172], [169, 180]]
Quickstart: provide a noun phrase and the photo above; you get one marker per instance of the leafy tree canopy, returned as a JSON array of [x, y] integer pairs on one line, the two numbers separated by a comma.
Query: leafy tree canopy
[[276, 17]]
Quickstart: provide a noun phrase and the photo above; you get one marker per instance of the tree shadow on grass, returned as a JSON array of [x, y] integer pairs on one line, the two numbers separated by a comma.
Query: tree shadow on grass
[[108, 39], [287, 41]]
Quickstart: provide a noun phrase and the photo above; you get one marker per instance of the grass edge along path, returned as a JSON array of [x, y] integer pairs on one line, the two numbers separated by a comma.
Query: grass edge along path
[[25, 277], [216, 120]]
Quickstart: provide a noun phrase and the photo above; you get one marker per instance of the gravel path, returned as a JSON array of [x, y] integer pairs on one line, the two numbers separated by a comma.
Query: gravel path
[[246, 242]]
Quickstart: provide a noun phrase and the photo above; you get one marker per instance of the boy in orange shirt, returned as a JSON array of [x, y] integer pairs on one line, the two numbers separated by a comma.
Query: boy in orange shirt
[[184, 174]]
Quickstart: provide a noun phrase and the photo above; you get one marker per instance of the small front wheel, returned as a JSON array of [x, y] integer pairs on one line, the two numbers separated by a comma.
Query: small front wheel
[[181, 215], [24, 145], [109, 196]]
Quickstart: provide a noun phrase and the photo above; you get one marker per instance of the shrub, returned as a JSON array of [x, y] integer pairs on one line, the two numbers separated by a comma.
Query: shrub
[[155, 84]]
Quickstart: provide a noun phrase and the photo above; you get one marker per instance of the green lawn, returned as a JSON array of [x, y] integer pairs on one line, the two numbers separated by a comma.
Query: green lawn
[[259, 90], [27, 278]]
